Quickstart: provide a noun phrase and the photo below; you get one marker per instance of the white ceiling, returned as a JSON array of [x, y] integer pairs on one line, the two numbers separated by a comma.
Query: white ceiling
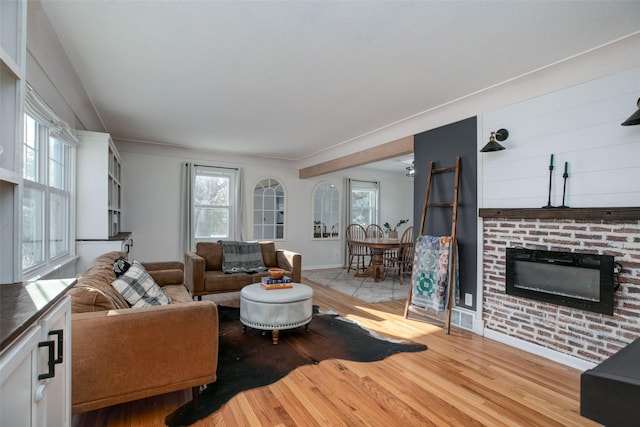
[[289, 79]]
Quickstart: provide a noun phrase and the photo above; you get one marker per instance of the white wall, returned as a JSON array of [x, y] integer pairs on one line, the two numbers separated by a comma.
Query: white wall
[[606, 60], [579, 125], [52, 76], [152, 196]]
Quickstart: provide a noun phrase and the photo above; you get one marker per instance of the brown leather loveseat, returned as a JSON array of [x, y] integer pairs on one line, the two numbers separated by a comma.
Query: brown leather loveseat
[[120, 354], [204, 273]]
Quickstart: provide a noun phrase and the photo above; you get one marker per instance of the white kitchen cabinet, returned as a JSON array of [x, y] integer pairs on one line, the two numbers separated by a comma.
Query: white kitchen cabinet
[[35, 360], [18, 380]]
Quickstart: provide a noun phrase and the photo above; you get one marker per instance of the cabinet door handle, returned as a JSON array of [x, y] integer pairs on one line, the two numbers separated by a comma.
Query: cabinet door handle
[[50, 362], [60, 335]]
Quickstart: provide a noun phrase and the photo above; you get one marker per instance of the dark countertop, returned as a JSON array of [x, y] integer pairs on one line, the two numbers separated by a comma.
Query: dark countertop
[[23, 303], [123, 235]]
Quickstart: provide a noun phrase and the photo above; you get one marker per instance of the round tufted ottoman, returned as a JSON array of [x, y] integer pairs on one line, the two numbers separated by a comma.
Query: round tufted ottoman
[[277, 309]]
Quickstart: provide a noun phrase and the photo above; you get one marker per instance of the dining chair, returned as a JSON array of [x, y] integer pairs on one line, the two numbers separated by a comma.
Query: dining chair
[[374, 230], [405, 254], [357, 252]]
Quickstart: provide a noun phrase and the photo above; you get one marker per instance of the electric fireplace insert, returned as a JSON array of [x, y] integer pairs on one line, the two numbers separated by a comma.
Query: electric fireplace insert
[[582, 281]]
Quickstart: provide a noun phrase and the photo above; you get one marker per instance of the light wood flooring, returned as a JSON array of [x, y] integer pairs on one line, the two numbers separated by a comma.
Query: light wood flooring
[[461, 380]]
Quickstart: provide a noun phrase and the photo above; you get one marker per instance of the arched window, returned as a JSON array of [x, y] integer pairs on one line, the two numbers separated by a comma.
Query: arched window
[[326, 212], [268, 210]]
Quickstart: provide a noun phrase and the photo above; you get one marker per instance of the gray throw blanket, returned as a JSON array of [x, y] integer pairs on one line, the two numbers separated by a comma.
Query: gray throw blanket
[[241, 257]]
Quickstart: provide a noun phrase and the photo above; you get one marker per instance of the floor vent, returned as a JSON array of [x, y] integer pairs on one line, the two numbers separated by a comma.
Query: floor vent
[[463, 318]]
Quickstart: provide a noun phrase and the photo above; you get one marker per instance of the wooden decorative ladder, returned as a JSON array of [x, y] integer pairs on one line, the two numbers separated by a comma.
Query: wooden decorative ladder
[[454, 220]]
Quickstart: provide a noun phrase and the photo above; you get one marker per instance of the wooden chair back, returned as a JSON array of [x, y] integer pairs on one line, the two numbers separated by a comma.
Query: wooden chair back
[[374, 230]]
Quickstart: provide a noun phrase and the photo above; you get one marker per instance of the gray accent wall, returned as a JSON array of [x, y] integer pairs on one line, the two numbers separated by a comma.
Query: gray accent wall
[[442, 145]]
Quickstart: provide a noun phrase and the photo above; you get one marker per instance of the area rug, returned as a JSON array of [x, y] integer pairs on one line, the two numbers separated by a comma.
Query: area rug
[[249, 360], [364, 288]]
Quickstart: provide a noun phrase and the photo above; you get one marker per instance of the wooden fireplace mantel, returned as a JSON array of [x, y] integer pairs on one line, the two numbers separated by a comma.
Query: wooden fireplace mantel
[[625, 213]]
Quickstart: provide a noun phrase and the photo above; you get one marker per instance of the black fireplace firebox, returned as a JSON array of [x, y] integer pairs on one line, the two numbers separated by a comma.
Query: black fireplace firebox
[[582, 281]]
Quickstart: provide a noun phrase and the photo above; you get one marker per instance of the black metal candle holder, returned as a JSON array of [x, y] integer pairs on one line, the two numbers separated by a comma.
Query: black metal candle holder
[[565, 175], [550, 176]]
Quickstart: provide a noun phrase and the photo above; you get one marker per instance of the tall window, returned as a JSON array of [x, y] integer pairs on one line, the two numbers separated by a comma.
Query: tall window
[[268, 209], [47, 202], [215, 196], [363, 202]]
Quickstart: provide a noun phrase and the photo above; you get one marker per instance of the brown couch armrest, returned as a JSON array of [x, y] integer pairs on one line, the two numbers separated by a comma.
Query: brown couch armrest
[[194, 266], [291, 261], [163, 265], [166, 272], [124, 355]]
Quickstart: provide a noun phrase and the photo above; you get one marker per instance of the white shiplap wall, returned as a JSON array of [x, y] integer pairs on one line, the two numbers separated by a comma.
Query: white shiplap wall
[[580, 125]]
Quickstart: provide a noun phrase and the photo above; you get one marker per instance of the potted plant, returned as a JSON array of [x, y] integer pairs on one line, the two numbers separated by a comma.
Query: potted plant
[[392, 233]]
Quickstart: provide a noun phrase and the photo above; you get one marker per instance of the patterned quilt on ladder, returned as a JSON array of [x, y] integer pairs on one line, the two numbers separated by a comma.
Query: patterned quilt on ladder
[[430, 278]]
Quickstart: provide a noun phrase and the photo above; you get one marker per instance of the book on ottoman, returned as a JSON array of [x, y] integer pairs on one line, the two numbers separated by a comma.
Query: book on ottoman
[[283, 283]]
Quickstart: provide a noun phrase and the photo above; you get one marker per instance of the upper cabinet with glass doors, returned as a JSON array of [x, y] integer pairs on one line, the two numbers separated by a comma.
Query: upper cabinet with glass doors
[[326, 212]]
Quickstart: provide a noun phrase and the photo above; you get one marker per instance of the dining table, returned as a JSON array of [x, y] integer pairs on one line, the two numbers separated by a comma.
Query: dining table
[[378, 246]]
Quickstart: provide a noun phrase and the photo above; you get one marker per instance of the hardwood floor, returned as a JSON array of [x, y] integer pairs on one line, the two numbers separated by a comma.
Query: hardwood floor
[[462, 379]]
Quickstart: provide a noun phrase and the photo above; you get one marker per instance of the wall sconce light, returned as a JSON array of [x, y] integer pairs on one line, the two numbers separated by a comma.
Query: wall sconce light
[[492, 145], [410, 171], [633, 119]]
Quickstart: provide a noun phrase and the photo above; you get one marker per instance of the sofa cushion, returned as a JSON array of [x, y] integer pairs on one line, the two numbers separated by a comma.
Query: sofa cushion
[[138, 287], [241, 257], [177, 293], [91, 295], [93, 290], [269, 254], [211, 252], [217, 281], [172, 276]]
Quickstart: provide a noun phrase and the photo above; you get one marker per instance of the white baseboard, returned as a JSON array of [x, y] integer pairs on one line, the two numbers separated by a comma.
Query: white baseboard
[[321, 267], [539, 350]]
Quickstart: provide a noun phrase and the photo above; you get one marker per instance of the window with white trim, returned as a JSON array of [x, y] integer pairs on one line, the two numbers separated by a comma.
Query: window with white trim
[[215, 195], [48, 190], [363, 202]]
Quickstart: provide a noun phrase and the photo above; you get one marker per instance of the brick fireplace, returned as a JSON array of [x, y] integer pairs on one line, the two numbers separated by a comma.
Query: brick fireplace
[[589, 336]]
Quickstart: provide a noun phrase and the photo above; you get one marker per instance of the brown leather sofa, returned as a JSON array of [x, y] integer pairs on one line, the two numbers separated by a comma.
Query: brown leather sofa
[[120, 354], [204, 275]]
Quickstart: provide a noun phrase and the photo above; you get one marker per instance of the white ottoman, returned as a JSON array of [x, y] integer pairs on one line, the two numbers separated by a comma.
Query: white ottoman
[[277, 309]]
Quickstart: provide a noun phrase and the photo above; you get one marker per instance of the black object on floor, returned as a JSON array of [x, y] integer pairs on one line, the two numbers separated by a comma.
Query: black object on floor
[[249, 360], [610, 392]]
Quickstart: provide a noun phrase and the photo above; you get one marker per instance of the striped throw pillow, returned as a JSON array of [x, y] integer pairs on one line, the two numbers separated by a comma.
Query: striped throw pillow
[[138, 287]]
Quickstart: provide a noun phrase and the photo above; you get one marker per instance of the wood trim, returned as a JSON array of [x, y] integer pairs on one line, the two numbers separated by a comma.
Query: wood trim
[[389, 150], [624, 213]]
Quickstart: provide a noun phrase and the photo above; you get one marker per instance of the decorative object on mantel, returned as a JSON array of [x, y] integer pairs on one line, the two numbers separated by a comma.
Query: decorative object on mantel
[[565, 175], [633, 119], [492, 145], [392, 233], [550, 175]]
